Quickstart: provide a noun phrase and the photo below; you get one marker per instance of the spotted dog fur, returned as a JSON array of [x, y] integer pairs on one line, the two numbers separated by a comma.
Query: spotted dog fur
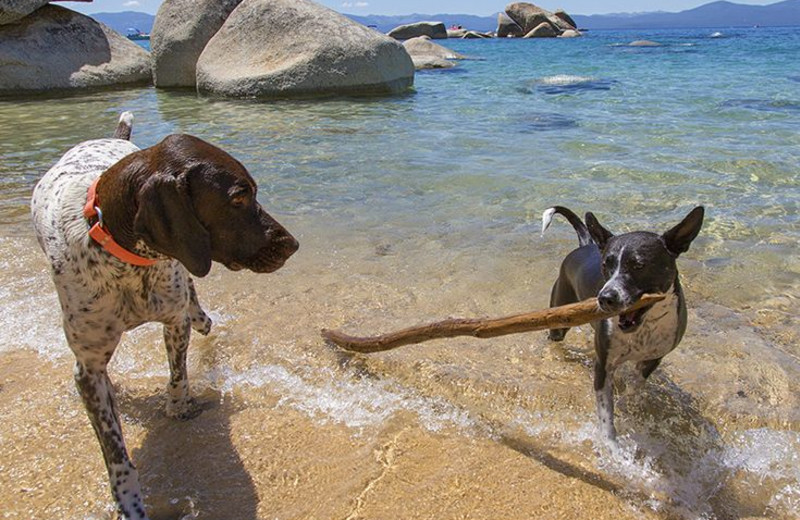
[[101, 297]]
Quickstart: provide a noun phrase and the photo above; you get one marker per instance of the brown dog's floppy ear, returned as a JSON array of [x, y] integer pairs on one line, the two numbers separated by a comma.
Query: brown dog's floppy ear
[[167, 223], [678, 238], [600, 235]]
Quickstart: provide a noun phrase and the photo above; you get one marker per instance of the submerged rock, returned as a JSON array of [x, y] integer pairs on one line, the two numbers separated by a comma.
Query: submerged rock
[[435, 30], [644, 43], [570, 33], [13, 10], [58, 48], [431, 62], [297, 48], [180, 33]]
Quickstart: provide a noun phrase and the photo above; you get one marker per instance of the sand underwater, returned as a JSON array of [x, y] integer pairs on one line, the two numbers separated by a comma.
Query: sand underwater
[[425, 207]]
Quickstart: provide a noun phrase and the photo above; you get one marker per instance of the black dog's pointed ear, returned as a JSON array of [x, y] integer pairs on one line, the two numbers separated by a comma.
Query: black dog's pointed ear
[[678, 238], [167, 223], [599, 234]]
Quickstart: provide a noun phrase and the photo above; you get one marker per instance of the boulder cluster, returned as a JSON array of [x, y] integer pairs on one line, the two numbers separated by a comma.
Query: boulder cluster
[[519, 20], [524, 20], [45, 47], [272, 49], [232, 48], [238, 48]]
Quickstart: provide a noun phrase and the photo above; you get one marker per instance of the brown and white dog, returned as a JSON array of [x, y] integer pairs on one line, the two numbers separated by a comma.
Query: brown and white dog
[[123, 228]]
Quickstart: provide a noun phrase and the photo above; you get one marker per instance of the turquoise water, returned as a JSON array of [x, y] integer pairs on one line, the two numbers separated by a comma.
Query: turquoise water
[[638, 135], [428, 205]]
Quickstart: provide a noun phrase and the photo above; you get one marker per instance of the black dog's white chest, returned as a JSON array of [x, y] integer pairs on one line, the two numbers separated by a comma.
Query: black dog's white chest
[[653, 339]]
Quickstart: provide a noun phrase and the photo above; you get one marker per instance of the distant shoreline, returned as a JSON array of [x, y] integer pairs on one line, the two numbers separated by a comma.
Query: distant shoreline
[[714, 15]]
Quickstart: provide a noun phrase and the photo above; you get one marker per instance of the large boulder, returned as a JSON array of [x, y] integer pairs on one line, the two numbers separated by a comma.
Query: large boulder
[[435, 30], [297, 48], [529, 17], [506, 27], [13, 10], [180, 33], [57, 48], [428, 55]]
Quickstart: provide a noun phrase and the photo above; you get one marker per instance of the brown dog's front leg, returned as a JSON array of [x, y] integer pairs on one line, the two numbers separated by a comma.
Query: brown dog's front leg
[[176, 341], [98, 398]]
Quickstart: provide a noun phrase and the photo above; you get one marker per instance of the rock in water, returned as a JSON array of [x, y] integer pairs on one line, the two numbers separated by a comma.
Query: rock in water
[[180, 33], [58, 48], [562, 14], [297, 48], [13, 10], [507, 27], [543, 30], [644, 43], [428, 55], [529, 17], [435, 30], [423, 46]]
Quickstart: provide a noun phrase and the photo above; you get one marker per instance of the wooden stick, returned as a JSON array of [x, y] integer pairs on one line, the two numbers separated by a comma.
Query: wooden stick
[[562, 317]]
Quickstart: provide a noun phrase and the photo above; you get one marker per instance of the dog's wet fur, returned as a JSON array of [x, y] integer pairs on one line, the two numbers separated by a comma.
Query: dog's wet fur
[[182, 203], [618, 270]]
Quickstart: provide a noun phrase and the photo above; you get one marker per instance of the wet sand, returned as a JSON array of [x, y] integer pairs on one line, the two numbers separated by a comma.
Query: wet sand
[[461, 428]]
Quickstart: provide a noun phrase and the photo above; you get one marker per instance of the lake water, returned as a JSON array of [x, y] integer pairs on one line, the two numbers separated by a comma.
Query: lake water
[[423, 206]]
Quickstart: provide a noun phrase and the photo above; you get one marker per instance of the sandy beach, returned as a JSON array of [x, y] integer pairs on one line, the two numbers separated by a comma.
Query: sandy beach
[[425, 206]]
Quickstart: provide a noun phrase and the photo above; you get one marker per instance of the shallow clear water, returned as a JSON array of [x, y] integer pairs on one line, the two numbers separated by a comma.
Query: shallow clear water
[[427, 205]]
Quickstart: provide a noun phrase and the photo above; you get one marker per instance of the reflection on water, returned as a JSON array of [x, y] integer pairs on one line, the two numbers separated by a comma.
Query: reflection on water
[[426, 206]]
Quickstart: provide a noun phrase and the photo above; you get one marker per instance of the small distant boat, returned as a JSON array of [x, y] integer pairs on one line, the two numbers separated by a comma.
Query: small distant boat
[[717, 35], [136, 34]]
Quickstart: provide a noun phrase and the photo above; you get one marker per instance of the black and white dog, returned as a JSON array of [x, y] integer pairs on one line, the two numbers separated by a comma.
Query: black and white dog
[[618, 270]]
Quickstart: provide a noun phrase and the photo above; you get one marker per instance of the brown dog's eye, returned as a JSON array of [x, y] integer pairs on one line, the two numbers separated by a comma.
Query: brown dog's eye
[[240, 197]]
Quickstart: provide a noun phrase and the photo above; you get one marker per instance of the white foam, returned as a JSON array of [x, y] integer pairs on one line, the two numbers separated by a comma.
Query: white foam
[[32, 318], [329, 396], [770, 455]]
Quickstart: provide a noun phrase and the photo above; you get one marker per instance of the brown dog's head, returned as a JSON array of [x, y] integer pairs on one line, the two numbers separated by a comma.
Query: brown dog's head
[[198, 204]]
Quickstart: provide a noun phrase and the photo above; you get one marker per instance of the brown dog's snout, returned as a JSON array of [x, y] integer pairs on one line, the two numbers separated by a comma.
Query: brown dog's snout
[[285, 245]]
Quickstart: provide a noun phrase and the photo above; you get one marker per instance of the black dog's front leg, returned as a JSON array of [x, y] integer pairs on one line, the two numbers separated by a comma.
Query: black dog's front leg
[[604, 383]]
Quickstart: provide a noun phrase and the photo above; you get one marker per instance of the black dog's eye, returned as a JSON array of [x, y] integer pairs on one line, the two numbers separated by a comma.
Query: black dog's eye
[[637, 265], [609, 263]]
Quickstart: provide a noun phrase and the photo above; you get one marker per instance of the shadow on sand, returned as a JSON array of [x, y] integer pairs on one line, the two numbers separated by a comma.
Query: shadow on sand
[[190, 469]]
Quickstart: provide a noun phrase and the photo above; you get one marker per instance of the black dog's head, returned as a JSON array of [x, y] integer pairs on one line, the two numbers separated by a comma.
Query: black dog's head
[[640, 262]]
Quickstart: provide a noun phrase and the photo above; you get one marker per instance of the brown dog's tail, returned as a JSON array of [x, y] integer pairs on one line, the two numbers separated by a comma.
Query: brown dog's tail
[[584, 238], [124, 127]]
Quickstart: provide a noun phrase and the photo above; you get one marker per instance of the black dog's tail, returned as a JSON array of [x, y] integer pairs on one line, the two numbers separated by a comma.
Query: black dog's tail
[[124, 127], [584, 238]]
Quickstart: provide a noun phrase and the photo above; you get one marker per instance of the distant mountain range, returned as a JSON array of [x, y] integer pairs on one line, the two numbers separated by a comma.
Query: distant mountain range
[[715, 14]]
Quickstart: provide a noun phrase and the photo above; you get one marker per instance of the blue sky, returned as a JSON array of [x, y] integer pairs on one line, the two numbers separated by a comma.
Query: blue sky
[[479, 7]]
